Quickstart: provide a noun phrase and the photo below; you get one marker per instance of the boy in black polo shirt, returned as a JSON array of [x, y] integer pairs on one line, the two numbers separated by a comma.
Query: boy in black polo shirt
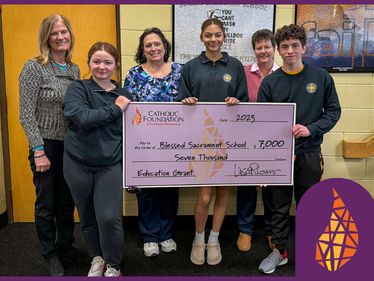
[[317, 111]]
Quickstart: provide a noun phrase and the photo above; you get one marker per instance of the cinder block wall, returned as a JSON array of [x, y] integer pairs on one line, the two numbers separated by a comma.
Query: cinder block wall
[[356, 93]]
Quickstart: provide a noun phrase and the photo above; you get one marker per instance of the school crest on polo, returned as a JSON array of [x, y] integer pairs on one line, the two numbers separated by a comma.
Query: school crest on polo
[[227, 78], [311, 88]]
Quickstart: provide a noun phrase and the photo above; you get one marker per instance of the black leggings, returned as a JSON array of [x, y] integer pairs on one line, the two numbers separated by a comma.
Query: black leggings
[[97, 193]]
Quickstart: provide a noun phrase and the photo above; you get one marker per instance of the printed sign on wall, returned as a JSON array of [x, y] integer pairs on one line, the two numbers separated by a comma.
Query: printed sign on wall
[[240, 22]]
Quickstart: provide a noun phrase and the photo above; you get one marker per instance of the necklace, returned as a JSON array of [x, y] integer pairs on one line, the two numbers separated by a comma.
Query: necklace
[[60, 66]]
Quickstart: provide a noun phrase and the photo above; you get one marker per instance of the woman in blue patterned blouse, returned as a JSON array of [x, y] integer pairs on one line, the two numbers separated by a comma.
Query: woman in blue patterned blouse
[[155, 79]]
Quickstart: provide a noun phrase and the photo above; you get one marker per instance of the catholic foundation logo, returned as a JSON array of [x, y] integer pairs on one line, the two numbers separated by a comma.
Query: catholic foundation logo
[[157, 117], [339, 242], [311, 88], [137, 119]]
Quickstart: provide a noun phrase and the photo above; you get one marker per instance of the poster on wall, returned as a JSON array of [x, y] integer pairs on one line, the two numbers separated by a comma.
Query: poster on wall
[[340, 38], [240, 22]]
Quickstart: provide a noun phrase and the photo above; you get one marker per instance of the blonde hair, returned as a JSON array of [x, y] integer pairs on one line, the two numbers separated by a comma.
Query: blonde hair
[[44, 34]]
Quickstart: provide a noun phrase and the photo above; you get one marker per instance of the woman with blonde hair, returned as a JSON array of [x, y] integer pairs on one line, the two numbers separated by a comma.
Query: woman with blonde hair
[[42, 85]]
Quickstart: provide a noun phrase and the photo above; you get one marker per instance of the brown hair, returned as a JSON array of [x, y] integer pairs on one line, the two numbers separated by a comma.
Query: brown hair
[[211, 21], [263, 34], [110, 49], [291, 31], [139, 56], [45, 33]]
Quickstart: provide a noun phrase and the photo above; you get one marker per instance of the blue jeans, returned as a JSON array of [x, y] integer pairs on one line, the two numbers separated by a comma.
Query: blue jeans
[[246, 209]]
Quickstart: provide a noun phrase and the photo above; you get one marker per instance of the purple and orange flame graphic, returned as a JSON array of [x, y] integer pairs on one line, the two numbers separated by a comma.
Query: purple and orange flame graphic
[[211, 134], [339, 242]]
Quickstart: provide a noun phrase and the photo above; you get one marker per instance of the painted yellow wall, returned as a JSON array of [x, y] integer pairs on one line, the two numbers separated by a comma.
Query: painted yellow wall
[[3, 207], [2, 186], [356, 94]]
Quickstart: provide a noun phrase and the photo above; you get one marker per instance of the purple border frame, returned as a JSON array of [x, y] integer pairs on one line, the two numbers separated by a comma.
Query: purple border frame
[[169, 2], [155, 278]]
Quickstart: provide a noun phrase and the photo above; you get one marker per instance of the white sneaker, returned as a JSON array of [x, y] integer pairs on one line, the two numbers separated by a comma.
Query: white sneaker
[[168, 246], [112, 272], [151, 249], [97, 267]]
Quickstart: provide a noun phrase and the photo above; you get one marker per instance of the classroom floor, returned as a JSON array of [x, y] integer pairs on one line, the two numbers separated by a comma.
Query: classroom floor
[[19, 253]]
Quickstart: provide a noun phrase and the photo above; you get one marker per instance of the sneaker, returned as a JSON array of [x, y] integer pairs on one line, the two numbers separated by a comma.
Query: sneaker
[[244, 242], [214, 253], [151, 249], [198, 252], [97, 267], [54, 266], [275, 259], [112, 272], [168, 246], [271, 245]]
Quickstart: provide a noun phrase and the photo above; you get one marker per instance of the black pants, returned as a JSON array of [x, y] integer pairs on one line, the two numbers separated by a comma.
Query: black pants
[[97, 192], [308, 170], [157, 209], [54, 207]]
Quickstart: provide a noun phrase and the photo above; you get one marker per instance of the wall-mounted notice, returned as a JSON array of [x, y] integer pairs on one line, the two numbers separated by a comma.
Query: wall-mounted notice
[[240, 22]]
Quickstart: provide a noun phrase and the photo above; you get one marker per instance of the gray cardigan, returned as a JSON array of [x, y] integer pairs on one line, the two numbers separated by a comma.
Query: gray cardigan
[[42, 89]]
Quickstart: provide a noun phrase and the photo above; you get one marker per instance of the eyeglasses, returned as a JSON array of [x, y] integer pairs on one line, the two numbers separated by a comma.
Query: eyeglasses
[[56, 34]]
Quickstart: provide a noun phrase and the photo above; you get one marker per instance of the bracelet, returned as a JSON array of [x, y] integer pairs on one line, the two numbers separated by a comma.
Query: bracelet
[[39, 147], [40, 156]]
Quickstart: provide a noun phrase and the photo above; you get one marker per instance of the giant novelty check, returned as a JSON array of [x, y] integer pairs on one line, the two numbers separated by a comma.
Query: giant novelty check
[[208, 144]]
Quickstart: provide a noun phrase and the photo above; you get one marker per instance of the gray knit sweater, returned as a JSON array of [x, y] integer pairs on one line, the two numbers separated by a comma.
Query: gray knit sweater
[[42, 89]]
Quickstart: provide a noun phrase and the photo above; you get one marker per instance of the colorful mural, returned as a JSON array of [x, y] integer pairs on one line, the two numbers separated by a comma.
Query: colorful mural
[[339, 37]]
